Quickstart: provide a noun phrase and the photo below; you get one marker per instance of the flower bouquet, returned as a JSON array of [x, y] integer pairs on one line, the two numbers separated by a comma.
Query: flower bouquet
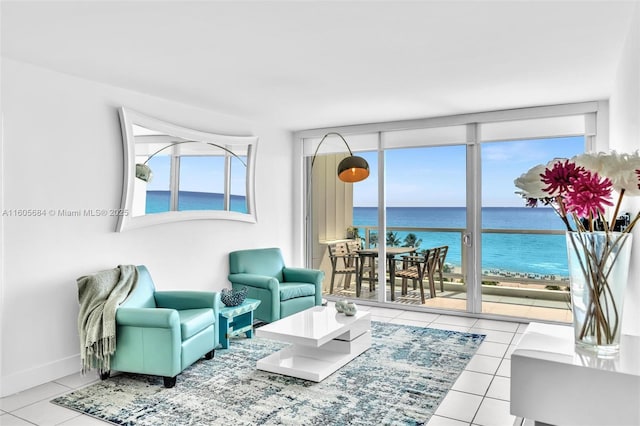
[[580, 190]]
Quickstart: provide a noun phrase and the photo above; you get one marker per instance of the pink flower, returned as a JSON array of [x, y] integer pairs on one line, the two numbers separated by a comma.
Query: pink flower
[[560, 177], [588, 194]]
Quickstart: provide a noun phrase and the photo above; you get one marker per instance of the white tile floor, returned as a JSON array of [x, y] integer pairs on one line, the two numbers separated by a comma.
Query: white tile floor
[[480, 396]]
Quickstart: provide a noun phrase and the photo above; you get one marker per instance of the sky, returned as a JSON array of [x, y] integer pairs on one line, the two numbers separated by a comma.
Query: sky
[[198, 174], [435, 176]]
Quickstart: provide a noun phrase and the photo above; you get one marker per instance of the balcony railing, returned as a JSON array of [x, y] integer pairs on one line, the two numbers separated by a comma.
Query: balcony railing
[[453, 237]]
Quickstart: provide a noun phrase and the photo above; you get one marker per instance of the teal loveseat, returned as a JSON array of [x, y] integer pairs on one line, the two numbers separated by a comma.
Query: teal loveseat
[[161, 333], [282, 290]]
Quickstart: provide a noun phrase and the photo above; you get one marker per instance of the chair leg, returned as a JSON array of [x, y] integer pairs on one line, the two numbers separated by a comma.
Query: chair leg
[[432, 286], [372, 274], [347, 281], [169, 382], [421, 291], [441, 280], [333, 277]]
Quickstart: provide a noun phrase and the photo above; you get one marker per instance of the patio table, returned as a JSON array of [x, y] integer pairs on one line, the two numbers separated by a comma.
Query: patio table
[[392, 252]]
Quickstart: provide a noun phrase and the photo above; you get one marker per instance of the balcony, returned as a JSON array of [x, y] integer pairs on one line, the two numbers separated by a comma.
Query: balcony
[[504, 292]]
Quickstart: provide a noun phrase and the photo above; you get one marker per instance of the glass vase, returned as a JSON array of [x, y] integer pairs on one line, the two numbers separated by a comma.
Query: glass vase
[[598, 273]]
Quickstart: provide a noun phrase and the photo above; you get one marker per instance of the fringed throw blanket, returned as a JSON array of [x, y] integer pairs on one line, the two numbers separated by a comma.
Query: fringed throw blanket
[[99, 296]]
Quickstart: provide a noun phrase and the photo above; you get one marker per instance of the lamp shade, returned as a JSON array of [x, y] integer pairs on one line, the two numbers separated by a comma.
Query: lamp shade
[[353, 169], [143, 172]]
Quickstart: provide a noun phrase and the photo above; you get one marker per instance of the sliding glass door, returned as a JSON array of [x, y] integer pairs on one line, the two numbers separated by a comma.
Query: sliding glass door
[[446, 185]]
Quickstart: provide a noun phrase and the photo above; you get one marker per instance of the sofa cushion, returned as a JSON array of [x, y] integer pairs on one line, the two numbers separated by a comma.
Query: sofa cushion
[[294, 290], [192, 321]]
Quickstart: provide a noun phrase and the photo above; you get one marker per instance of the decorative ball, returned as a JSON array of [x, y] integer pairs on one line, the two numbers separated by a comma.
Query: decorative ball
[[340, 305], [231, 297], [350, 309]]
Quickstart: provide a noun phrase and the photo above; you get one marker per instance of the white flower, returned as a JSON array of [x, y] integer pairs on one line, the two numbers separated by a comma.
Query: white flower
[[619, 168], [592, 161], [531, 183]]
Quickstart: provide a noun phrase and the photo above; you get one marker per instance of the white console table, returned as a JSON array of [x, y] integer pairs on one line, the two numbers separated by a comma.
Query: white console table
[[552, 383]]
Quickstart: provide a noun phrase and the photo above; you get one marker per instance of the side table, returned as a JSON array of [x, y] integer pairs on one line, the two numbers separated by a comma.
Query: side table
[[552, 383], [235, 320]]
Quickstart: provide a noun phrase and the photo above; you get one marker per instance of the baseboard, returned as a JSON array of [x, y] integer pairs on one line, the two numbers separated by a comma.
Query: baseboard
[[25, 379]]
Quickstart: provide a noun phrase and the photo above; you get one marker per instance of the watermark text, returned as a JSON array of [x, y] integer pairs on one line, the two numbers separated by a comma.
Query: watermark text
[[51, 212]]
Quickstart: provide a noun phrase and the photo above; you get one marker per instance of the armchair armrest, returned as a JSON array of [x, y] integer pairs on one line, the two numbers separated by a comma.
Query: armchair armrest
[[148, 317], [253, 280], [180, 299], [304, 275]]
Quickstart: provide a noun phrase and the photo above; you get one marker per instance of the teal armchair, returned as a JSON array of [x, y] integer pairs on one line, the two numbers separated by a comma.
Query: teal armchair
[[163, 332], [282, 290]]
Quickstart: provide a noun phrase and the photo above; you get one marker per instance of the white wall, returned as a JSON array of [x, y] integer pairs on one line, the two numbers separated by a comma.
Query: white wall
[[625, 137], [63, 150]]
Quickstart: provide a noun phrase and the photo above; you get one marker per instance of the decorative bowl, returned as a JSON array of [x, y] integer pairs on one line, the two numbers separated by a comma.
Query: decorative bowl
[[231, 297]]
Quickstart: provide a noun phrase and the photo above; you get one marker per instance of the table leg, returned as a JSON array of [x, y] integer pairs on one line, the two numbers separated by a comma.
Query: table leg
[[358, 274], [392, 277], [223, 331], [359, 279], [249, 333]]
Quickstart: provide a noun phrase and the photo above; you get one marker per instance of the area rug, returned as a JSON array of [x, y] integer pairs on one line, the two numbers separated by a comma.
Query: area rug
[[401, 379]]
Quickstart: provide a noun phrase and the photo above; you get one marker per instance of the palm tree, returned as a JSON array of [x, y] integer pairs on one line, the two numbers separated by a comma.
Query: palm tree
[[392, 239], [412, 240], [373, 239]]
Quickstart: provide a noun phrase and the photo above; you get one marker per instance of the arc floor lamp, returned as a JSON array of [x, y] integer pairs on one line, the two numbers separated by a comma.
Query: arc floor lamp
[[352, 168], [143, 171]]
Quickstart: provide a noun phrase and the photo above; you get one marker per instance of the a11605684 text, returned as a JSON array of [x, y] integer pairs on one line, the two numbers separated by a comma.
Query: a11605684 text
[[55, 212]]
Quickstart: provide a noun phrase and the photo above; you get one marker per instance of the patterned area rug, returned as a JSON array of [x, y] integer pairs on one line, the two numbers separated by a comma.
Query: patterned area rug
[[401, 380]]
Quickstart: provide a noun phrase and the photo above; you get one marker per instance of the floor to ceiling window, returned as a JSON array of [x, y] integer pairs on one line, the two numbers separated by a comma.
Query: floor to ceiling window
[[426, 213], [446, 183]]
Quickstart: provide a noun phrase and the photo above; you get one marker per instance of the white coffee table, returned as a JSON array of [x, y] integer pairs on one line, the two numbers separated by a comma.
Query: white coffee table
[[322, 341]]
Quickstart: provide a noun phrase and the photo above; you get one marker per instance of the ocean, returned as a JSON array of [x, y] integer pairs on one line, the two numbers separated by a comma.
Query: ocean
[[525, 253], [158, 201]]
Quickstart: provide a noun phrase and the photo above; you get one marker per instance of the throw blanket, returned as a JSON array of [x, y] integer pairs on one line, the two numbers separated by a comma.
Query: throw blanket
[[99, 296]]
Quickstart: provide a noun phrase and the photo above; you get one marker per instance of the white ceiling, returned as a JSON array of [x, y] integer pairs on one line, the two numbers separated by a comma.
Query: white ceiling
[[308, 64]]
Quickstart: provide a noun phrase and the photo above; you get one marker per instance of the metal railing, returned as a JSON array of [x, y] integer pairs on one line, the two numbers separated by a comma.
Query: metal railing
[[489, 275]]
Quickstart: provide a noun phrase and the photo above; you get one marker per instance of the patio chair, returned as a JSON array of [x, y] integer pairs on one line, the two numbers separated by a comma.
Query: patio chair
[[343, 262], [442, 254], [416, 268]]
